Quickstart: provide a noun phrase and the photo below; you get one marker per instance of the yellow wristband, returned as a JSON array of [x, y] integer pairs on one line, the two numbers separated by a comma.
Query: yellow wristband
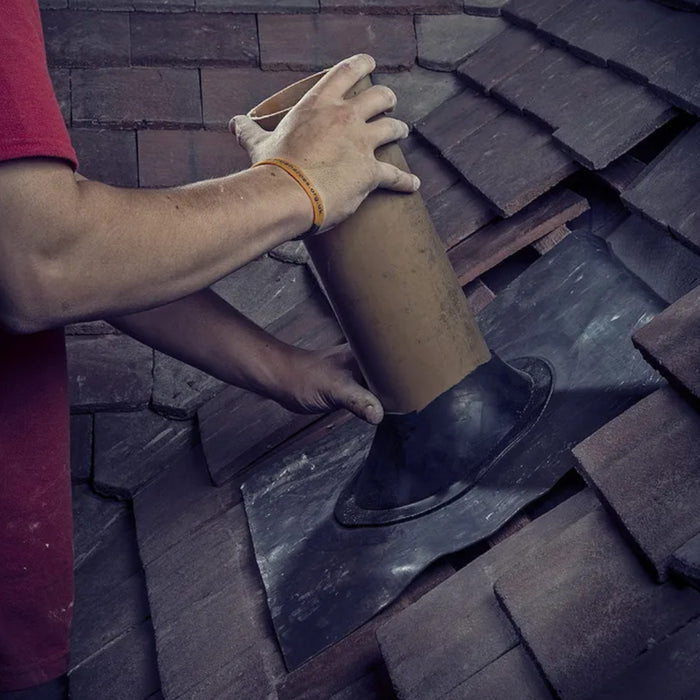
[[298, 174]]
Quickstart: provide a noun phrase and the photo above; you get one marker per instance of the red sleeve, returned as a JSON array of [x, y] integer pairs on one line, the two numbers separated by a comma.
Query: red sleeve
[[31, 123]]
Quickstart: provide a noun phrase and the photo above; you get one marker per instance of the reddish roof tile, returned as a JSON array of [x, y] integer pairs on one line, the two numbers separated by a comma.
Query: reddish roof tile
[[554, 601], [392, 6], [655, 445], [60, 78], [435, 173], [258, 6], [107, 156], [671, 343]]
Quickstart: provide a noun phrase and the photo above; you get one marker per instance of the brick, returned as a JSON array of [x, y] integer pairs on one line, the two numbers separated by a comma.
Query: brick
[[446, 41], [120, 437], [60, 78], [485, 8], [667, 56], [531, 13], [666, 190], [392, 6], [228, 92], [314, 42], [665, 265], [554, 601], [124, 670], [169, 158], [86, 39], [258, 6], [654, 445], [80, 448], [147, 5], [494, 243], [185, 489], [509, 676], [108, 372], [457, 118], [459, 212], [419, 91], [671, 343], [670, 669], [685, 562], [456, 630], [193, 39], [500, 57], [238, 427], [601, 28], [131, 97], [107, 156], [435, 173], [510, 161], [263, 290]]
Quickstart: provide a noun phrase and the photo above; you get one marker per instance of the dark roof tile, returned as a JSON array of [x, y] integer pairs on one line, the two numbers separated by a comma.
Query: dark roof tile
[[667, 55], [436, 174], [554, 601], [597, 29], [459, 212], [257, 6], [434, 645], [510, 161], [75, 39], [150, 5], [671, 669], [327, 38], [120, 436], [671, 343], [655, 445], [493, 244], [500, 57], [445, 41], [485, 8], [60, 79], [108, 372], [621, 173], [419, 91], [80, 448], [457, 118], [392, 6], [230, 443], [512, 675], [666, 191], [107, 156], [531, 13], [686, 561], [193, 38]]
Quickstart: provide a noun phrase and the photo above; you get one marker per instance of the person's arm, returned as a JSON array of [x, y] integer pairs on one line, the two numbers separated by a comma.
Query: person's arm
[[206, 332], [79, 250]]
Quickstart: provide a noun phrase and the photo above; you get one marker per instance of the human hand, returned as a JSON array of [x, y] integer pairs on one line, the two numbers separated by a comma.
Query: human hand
[[333, 140], [324, 380]]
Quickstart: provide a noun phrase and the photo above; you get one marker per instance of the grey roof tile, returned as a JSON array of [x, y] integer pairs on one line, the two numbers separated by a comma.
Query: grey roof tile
[[531, 13], [671, 343], [444, 41], [81, 448], [585, 607], [686, 561]]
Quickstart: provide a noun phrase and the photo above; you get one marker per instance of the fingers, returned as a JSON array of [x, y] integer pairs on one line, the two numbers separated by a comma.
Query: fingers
[[363, 403], [374, 101], [392, 178], [386, 130], [344, 75], [247, 132]]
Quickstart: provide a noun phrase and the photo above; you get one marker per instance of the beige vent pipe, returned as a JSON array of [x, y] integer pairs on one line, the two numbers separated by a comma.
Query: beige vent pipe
[[391, 286]]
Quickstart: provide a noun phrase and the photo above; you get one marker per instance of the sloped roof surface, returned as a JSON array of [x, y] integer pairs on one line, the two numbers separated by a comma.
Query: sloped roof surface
[[529, 116]]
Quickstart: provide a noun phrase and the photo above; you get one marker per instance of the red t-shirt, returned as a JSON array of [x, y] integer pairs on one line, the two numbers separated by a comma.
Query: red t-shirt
[[35, 517]]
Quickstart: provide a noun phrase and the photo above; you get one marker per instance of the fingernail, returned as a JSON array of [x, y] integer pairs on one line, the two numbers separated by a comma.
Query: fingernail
[[416, 183], [373, 414]]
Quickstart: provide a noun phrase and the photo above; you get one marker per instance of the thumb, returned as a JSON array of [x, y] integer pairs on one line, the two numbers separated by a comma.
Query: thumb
[[247, 132], [360, 401]]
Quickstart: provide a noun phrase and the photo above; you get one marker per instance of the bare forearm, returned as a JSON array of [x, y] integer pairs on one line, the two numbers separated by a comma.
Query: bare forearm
[[206, 332], [109, 251]]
